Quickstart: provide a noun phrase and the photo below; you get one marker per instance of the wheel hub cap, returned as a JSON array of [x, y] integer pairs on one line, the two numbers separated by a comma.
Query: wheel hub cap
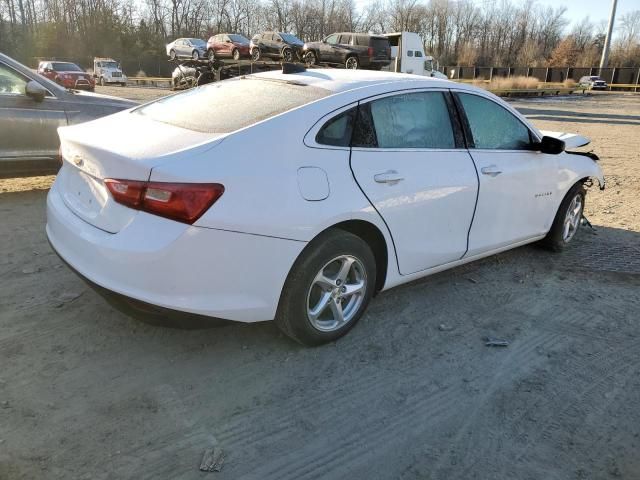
[[336, 293], [572, 218]]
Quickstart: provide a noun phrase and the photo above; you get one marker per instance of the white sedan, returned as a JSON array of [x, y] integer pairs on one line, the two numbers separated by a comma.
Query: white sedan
[[299, 196]]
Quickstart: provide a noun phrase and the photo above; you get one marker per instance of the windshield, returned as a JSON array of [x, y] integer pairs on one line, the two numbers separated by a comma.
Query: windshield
[[108, 64], [65, 67], [595, 78], [231, 104], [287, 37], [197, 41], [238, 39]]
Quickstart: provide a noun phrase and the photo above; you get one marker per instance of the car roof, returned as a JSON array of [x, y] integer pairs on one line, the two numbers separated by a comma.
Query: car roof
[[342, 80]]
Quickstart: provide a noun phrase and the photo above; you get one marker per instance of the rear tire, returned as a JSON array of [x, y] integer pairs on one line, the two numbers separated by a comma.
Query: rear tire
[[327, 289], [211, 55], [172, 55], [287, 55], [567, 221]]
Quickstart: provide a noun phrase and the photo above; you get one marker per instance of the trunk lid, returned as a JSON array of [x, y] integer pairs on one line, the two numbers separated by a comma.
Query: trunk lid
[[122, 146]]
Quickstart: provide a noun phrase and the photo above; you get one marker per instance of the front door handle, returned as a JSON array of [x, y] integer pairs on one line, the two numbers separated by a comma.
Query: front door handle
[[390, 176], [491, 170]]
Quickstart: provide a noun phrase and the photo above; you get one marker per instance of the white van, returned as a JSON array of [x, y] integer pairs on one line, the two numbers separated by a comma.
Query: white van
[[407, 55]]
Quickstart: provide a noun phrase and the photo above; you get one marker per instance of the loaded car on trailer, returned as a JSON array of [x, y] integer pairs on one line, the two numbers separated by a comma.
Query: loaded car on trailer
[[351, 50], [278, 45], [67, 74]]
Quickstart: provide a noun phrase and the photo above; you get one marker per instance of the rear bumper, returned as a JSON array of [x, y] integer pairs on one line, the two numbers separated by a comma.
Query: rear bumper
[[169, 265]]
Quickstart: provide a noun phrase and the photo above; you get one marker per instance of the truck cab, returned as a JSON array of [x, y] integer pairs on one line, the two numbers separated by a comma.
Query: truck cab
[[408, 56], [107, 71]]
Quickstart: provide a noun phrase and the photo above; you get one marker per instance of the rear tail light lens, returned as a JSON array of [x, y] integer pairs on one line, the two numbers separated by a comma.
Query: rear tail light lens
[[370, 51], [183, 202]]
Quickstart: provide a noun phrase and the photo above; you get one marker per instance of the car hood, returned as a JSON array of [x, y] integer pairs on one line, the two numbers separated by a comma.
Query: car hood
[[73, 72], [571, 140], [100, 100]]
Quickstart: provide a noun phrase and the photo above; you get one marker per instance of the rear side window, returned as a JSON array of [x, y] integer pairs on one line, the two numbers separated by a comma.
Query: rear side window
[[345, 39], [224, 107], [362, 40], [493, 127], [337, 131], [410, 120], [409, 53]]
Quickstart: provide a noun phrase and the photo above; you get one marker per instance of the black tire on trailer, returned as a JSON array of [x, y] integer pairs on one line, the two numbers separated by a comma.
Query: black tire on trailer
[[172, 54], [256, 54], [211, 55], [235, 53], [310, 58], [287, 55]]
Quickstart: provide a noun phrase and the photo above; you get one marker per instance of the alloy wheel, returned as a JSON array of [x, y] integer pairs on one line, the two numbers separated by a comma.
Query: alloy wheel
[[351, 63], [336, 293], [572, 218], [310, 58], [287, 55]]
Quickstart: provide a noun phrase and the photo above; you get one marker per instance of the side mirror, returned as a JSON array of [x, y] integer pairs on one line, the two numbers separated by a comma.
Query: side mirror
[[551, 145], [35, 91]]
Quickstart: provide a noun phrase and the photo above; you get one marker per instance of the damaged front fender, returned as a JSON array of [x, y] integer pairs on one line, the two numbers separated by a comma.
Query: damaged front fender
[[587, 167]]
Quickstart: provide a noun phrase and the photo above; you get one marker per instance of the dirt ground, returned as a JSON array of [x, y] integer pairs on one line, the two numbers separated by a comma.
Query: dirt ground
[[412, 392]]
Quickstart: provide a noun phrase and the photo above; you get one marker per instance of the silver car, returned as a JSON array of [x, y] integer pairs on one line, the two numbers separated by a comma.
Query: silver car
[[193, 48], [593, 82], [32, 108]]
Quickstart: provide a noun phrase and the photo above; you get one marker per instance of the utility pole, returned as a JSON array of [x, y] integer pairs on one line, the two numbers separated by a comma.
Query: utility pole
[[607, 42]]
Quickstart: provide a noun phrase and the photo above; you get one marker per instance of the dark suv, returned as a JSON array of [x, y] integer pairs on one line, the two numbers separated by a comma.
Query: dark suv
[[353, 50], [276, 45]]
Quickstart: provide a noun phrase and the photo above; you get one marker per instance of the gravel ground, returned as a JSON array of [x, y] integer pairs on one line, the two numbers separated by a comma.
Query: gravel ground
[[411, 392]]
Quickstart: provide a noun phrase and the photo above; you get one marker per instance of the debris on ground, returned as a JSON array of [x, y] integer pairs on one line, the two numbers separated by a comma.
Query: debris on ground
[[495, 342], [445, 328], [68, 297], [212, 460], [472, 280]]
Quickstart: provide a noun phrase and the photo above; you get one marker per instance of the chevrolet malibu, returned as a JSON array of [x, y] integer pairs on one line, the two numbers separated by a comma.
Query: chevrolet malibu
[[186, 204]]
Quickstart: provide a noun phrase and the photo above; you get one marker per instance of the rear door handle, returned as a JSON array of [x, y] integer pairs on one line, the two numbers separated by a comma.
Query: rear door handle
[[491, 170], [390, 176]]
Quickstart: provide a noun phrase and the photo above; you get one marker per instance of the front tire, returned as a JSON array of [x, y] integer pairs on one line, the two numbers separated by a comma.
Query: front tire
[[195, 55], [256, 54], [327, 289], [352, 63], [567, 220], [172, 55], [287, 55], [102, 82], [235, 54], [310, 58]]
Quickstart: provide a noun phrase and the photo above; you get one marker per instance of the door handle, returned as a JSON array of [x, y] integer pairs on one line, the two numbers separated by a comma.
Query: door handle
[[390, 176], [491, 170]]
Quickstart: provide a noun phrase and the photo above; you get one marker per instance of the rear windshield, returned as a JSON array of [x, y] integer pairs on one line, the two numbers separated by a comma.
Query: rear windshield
[[230, 105], [379, 43], [65, 67], [238, 39]]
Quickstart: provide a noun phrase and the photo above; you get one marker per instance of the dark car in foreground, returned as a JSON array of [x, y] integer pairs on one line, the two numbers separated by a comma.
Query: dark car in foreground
[[278, 45], [351, 50], [593, 82], [67, 74], [230, 45], [32, 108]]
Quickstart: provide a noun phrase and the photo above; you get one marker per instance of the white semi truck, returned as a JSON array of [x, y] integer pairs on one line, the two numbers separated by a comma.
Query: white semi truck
[[408, 56], [107, 71]]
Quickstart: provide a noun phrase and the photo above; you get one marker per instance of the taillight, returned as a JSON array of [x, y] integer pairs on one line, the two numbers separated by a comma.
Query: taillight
[[370, 51], [183, 202]]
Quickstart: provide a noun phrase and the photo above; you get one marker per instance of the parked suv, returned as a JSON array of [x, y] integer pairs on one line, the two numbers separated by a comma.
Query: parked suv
[[67, 74], [276, 45], [593, 82], [353, 50], [228, 45]]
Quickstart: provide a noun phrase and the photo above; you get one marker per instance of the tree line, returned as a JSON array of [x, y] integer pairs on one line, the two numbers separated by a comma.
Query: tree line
[[456, 32]]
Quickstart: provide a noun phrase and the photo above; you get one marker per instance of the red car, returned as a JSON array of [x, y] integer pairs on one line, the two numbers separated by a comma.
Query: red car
[[228, 45], [67, 74]]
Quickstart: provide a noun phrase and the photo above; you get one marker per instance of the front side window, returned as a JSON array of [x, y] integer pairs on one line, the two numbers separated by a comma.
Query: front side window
[[418, 53], [332, 39], [11, 82], [493, 127], [412, 120]]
